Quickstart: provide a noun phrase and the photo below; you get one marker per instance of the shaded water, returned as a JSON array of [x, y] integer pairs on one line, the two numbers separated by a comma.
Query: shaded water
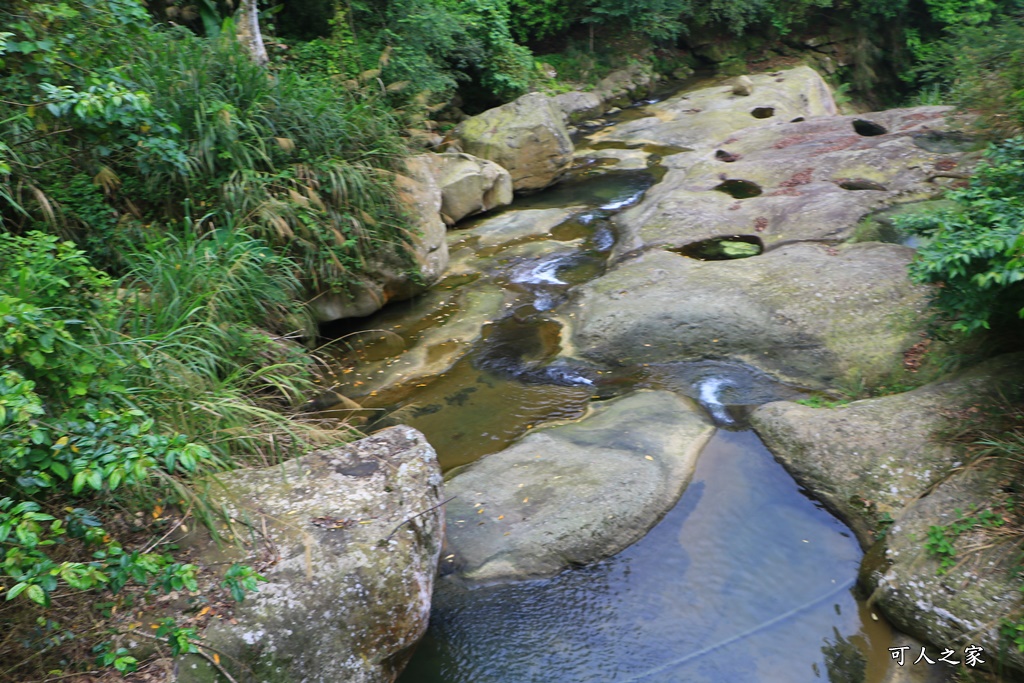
[[745, 579]]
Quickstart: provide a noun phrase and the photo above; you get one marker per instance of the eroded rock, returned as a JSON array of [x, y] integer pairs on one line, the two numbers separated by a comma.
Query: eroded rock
[[575, 493], [872, 458], [350, 594], [704, 117], [808, 174], [803, 312], [470, 185]]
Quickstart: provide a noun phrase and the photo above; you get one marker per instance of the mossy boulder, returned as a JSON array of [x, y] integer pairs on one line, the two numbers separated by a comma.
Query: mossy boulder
[[574, 493], [804, 313], [527, 137], [960, 605], [357, 544]]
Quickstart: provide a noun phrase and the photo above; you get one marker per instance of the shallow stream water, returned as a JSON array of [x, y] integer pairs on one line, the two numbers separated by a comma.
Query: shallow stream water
[[745, 580]]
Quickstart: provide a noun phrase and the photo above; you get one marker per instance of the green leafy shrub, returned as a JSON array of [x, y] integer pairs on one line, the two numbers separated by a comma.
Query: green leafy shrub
[[975, 255]]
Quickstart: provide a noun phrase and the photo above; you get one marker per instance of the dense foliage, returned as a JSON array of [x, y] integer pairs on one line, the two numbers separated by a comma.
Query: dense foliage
[[975, 253], [208, 197]]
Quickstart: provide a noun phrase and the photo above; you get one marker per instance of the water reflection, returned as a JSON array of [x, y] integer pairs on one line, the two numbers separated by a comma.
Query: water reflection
[[744, 580]]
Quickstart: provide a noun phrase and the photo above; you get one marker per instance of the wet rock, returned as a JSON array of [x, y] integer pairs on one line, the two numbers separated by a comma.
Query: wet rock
[[437, 347], [707, 116], [527, 137], [803, 312], [812, 175], [470, 185], [515, 226], [350, 595], [617, 159], [574, 493], [872, 458], [390, 271]]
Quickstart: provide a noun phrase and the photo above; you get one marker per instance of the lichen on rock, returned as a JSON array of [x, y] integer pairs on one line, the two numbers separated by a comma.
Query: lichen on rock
[[357, 535]]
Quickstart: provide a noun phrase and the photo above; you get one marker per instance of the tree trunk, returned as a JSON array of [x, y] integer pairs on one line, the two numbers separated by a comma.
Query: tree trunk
[[248, 31]]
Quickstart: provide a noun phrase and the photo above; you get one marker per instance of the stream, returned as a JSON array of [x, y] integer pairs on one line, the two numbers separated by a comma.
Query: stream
[[745, 579]]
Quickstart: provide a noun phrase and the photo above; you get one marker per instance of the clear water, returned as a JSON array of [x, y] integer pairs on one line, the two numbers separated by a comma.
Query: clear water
[[745, 580]]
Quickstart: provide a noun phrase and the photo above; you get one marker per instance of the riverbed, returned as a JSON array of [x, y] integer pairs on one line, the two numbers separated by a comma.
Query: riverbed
[[745, 579]]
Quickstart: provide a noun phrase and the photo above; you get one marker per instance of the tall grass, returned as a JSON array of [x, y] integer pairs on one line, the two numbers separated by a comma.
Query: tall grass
[[213, 328], [304, 165]]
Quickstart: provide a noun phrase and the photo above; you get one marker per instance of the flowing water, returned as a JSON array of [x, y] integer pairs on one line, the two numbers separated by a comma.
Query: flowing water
[[745, 580]]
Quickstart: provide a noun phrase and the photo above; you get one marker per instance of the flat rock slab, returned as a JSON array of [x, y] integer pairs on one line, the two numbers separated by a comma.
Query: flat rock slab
[[804, 313], [816, 180], [701, 117], [575, 493], [874, 457], [350, 594], [511, 227]]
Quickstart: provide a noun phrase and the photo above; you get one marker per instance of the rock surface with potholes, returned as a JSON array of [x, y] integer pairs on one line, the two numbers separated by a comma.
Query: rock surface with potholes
[[576, 493], [709, 115], [740, 255], [812, 180]]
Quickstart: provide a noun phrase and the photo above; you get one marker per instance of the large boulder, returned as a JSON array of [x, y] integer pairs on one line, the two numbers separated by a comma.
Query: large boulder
[[963, 604], [470, 185], [574, 493], [869, 459], [777, 182], [579, 106], [803, 312], [527, 137], [702, 117], [358, 534], [392, 272]]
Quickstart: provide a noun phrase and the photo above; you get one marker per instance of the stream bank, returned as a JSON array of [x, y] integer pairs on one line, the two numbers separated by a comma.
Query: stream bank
[[509, 345]]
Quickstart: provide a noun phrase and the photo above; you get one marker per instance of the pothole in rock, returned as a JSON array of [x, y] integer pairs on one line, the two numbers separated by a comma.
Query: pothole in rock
[[739, 189], [868, 128], [723, 248], [798, 119], [944, 142], [727, 157], [860, 184], [762, 112]]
